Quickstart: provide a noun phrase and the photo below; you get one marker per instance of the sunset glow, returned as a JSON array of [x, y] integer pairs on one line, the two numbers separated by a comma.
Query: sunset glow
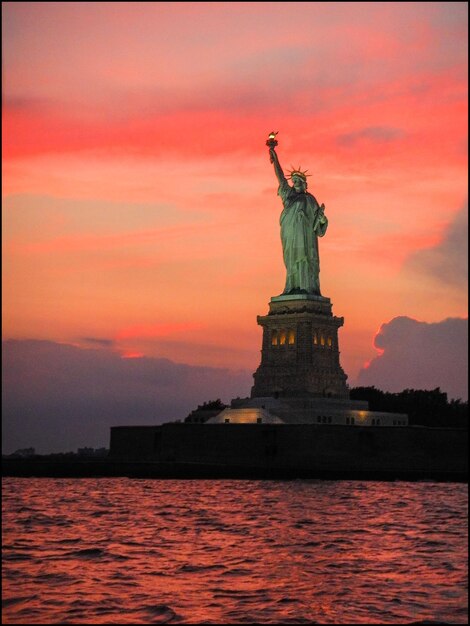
[[140, 207]]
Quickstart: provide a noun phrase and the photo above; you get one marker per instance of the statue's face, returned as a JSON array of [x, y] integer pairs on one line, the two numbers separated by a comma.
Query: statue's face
[[299, 184]]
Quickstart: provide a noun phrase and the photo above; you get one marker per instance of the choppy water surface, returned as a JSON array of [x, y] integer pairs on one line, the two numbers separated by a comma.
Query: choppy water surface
[[149, 551]]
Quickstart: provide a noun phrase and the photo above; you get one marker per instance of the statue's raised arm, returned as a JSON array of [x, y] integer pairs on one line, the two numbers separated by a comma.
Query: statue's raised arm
[[302, 221], [272, 143]]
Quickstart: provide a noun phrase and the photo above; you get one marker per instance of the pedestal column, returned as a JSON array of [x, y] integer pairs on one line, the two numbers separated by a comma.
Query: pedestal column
[[300, 353]]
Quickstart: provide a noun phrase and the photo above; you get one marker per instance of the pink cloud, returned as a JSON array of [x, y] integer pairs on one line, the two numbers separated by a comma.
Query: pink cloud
[[214, 126], [154, 330], [89, 242]]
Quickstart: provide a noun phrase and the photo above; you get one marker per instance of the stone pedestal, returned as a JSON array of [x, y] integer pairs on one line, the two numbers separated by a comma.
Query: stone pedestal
[[300, 354]]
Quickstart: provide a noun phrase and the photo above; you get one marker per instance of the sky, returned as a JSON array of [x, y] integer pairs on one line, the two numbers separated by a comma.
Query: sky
[[140, 210]]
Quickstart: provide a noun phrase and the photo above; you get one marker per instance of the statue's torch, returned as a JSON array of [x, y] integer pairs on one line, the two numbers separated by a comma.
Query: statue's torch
[[272, 141]]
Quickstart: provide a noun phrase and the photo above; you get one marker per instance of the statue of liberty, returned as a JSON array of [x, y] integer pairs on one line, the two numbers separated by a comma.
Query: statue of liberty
[[302, 222]]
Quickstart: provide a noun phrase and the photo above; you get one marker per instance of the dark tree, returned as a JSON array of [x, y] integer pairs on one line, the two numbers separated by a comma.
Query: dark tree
[[423, 407]]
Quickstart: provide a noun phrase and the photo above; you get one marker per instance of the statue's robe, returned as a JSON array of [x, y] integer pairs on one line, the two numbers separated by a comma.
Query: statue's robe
[[300, 228]]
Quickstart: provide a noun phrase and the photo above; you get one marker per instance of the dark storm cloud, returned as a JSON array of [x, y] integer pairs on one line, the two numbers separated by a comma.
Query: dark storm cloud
[[58, 397], [418, 355], [447, 262]]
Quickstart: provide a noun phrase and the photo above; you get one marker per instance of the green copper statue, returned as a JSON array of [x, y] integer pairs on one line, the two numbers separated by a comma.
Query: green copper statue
[[302, 221]]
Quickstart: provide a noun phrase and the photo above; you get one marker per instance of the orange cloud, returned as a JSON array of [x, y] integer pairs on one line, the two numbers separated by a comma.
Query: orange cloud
[[154, 330]]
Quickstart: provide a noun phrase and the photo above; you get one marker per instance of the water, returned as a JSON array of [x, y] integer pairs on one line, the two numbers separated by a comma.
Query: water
[[120, 551]]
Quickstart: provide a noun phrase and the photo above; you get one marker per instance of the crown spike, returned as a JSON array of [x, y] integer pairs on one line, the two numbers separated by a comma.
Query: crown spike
[[298, 172]]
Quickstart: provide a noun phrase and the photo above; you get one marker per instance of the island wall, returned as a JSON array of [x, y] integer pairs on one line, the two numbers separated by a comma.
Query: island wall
[[302, 448]]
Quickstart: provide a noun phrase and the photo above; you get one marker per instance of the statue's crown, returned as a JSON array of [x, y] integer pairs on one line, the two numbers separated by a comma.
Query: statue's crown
[[299, 174]]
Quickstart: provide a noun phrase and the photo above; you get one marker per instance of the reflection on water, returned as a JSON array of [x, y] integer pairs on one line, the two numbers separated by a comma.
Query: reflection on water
[[225, 551]]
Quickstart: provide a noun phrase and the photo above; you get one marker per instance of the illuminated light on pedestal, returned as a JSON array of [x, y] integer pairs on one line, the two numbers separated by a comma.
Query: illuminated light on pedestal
[[300, 354]]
